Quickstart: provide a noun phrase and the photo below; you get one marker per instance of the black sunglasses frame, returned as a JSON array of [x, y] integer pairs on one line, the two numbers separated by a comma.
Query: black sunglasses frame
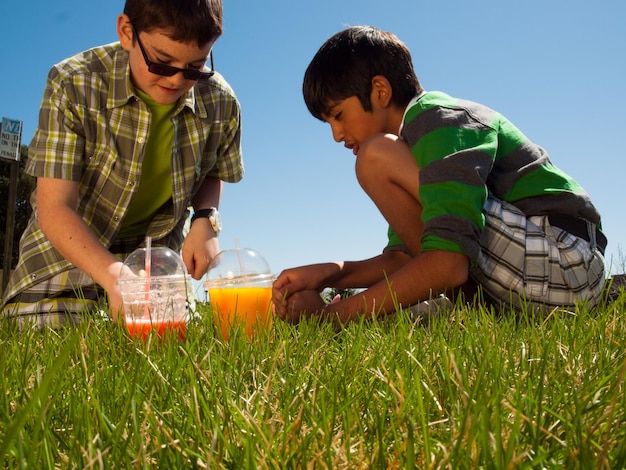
[[168, 70]]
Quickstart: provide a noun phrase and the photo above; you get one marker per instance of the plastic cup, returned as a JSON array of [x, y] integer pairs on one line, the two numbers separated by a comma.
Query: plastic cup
[[155, 300], [239, 284]]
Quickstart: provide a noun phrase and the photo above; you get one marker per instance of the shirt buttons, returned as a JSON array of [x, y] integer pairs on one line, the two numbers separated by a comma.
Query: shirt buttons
[[141, 140]]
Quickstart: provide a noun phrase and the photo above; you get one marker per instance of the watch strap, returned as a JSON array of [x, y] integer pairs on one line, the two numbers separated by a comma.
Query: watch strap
[[203, 213]]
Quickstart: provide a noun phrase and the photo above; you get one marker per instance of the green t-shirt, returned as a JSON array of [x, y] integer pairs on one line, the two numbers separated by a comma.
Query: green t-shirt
[[155, 186]]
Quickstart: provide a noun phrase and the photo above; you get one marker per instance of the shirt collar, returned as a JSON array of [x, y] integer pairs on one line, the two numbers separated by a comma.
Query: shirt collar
[[121, 89], [406, 110]]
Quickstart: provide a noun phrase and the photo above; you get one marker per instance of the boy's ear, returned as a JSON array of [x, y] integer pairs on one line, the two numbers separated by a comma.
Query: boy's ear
[[381, 90], [125, 31]]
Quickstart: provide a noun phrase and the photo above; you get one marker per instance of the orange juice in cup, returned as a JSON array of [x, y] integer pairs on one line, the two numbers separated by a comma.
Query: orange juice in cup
[[248, 306], [240, 292]]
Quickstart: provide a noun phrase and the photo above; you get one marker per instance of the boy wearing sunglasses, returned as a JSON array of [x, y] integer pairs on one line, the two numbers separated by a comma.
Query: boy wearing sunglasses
[[130, 135], [470, 201]]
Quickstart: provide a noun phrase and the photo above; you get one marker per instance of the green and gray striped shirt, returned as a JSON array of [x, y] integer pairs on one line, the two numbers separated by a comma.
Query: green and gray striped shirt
[[465, 151]]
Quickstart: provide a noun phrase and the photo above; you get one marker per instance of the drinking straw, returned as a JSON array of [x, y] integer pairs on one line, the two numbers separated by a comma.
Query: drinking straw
[[148, 264], [241, 266]]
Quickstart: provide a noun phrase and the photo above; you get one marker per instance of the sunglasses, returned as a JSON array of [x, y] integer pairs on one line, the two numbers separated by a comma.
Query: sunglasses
[[168, 70]]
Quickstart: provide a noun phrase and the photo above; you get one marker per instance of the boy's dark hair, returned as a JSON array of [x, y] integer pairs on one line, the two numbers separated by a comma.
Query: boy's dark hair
[[346, 63], [188, 20]]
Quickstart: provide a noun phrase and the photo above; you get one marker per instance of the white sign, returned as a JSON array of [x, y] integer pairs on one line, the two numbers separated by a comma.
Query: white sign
[[10, 138]]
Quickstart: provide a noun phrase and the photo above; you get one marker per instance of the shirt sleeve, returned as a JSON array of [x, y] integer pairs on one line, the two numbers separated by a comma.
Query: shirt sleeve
[[229, 164], [57, 148], [455, 152]]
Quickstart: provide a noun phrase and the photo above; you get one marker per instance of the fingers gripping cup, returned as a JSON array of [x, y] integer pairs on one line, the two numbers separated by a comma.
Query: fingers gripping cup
[[239, 284], [154, 283]]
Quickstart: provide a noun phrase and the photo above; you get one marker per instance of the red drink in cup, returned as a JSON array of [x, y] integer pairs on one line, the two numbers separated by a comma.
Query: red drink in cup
[[156, 302], [142, 328]]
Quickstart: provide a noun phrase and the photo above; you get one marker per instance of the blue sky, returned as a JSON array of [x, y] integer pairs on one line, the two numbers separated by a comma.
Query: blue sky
[[555, 68]]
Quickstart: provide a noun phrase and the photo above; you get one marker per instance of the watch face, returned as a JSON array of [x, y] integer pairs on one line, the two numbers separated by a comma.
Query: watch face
[[216, 221]]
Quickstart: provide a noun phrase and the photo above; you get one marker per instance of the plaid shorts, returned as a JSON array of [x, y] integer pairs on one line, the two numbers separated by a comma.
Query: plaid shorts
[[66, 298], [525, 261], [59, 301]]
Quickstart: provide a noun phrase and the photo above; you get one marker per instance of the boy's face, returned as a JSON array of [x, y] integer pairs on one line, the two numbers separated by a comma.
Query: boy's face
[[159, 48], [352, 125]]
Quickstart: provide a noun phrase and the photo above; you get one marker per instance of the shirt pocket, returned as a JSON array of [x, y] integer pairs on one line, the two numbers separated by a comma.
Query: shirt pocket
[[106, 180]]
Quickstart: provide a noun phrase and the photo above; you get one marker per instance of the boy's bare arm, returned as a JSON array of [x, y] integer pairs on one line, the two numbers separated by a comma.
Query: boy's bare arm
[[427, 274], [345, 274], [57, 201], [366, 273], [340, 274]]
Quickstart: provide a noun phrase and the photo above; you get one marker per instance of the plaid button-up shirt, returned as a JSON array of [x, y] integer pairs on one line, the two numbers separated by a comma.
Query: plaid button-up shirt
[[93, 129]]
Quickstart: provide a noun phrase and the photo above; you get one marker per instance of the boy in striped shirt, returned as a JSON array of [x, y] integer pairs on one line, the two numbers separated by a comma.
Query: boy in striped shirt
[[470, 201]]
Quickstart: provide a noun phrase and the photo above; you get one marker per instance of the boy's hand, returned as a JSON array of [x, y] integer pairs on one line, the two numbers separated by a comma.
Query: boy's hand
[[311, 277], [116, 306], [289, 283], [114, 292], [296, 290], [297, 306], [200, 247]]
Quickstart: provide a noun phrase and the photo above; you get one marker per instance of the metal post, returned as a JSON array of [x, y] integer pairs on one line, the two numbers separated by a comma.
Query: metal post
[[10, 227]]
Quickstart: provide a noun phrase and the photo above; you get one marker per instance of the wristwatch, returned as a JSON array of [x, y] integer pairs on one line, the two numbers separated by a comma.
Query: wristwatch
[[214, 218]]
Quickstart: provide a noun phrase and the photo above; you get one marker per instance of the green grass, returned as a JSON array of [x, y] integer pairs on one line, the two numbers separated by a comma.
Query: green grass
[[471, 390]]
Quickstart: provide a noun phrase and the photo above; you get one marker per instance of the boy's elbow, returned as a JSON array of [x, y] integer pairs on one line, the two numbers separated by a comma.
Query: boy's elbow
[[458, 269], [462, 276]]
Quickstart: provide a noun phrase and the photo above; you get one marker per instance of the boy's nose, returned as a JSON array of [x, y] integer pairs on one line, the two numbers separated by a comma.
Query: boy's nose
[[337, 132]]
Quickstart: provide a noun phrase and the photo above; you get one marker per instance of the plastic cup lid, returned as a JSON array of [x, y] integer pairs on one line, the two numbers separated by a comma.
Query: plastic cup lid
[[162, 262], [238, 267]]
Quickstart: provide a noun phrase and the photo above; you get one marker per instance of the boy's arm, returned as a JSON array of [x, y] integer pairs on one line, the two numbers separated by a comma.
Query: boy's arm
[[291, 283], [428, 274], [201, 244], [57, 201], [366, 273]]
